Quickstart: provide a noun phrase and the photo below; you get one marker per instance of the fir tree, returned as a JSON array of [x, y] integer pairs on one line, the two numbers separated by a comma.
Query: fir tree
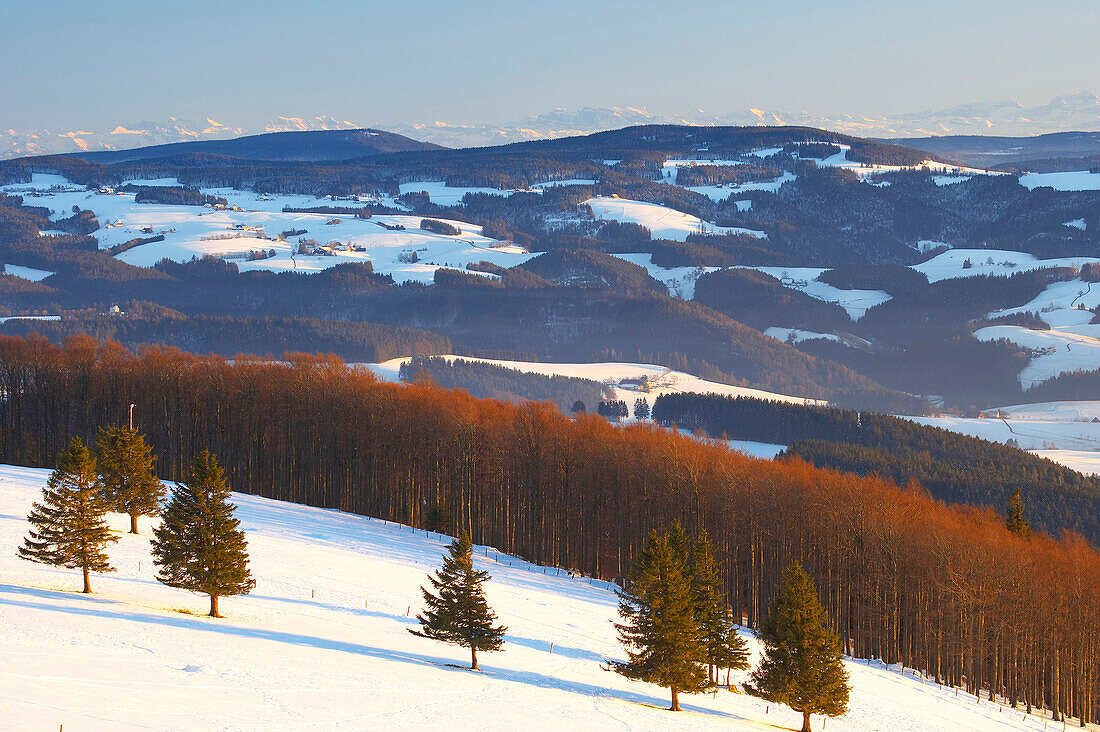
[[70, 527], [801, 665], [725, 648], [1015, 520], [126, 471], [659, 629], [198, 546], [457, 612]]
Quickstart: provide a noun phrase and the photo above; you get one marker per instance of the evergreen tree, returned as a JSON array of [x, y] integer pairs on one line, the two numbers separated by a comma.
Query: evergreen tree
[[458, 613], [125, 464], [659, 628], [1015, 520], [801, 665], [198, 546], [725, 648], [70, 527], [641, 408]]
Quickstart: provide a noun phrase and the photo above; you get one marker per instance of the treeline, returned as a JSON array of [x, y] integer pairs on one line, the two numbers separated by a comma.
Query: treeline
[[144, 324], [903, 577], [490, 381], [950, 466], [1067, 386], [175, 196]]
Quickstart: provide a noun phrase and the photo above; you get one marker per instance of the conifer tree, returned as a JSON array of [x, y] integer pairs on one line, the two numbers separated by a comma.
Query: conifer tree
[[801, 665], [1015, 520], [198, 546], [457, 613], [659, 630], [724, 647], [70, 527], [125, 464]]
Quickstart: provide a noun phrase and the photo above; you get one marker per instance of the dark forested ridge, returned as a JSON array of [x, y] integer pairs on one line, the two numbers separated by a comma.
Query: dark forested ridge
[[903, 577], [950, 466]]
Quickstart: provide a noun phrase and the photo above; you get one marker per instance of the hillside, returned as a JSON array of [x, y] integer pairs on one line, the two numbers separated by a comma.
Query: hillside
[[322, 643], [306, 146]]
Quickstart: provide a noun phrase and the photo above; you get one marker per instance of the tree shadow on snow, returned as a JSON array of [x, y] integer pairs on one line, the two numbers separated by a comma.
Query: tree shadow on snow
[[100, 607]]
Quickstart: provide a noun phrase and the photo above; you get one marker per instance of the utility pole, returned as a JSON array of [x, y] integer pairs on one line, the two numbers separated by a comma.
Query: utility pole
[[132, 416]]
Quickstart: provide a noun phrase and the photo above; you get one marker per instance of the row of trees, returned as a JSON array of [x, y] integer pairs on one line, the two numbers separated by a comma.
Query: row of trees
[[904, 578], [198, 545]]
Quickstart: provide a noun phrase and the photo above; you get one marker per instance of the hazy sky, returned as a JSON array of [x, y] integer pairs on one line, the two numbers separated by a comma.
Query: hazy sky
[[98, 63]]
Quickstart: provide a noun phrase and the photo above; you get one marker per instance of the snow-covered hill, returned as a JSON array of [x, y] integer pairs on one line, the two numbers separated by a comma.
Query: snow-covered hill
[[321, 643]]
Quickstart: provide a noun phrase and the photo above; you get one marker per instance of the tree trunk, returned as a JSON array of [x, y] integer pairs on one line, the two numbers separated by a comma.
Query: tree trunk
[[675, 700], [133, 523], [87, 582], [214, 607], [805, 722], [473, 659]]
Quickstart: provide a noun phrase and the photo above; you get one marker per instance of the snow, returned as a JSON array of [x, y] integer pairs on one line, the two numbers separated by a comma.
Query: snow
[[566, 182], [29, 317], [794, 335], [1058, 303], [927, 245], [680, 281], [1077, 224], [163, 182], [864, 170], [192, 231], [1076, 180], [671, 168], [39, 182], [321, 643], [442, 194], [1029, 433], [804, 279], [765, 152], [763, 450], [991, 262], [948, 180], [662, 222], [1083, 461], [743, 205], [661, 380], [1056, 351], [27, 273]]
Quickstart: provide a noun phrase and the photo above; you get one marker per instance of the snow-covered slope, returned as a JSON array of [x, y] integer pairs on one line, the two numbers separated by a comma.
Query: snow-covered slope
[[662, 222], [625, 379], [321, 643]]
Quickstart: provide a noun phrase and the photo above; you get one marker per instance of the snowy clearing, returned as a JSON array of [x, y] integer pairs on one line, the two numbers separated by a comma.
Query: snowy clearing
[[27, 273], [1055, 351], [794, 335], [321, 643], [990, 262], [628, 380], [804, 279], [1075, 180], [680, 281], [662, 222]]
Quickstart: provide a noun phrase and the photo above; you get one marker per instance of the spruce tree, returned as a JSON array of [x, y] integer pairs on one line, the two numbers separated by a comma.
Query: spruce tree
[[801, 665], [198, 545], [724, 647], [125, 464], [70, 527], [457, 611], [1015, 520], [659, 630]]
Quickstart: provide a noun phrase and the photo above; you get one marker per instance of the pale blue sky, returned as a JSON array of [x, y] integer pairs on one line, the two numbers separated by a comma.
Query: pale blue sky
[[104, 62]]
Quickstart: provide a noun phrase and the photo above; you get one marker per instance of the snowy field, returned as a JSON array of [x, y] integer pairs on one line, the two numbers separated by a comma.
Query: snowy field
[[1074, 180], [680, 281], [1058, 350], [999, 262], [623, 378], [804, 279], [321, 643], [662, 222], [410, 254]]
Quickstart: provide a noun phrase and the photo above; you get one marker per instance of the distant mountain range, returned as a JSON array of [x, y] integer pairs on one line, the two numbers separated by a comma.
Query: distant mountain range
[[1074, 112], [306, 145]]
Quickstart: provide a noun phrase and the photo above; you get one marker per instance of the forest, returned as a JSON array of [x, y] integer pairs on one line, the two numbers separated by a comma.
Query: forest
[[949, 466], [904, 577]]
